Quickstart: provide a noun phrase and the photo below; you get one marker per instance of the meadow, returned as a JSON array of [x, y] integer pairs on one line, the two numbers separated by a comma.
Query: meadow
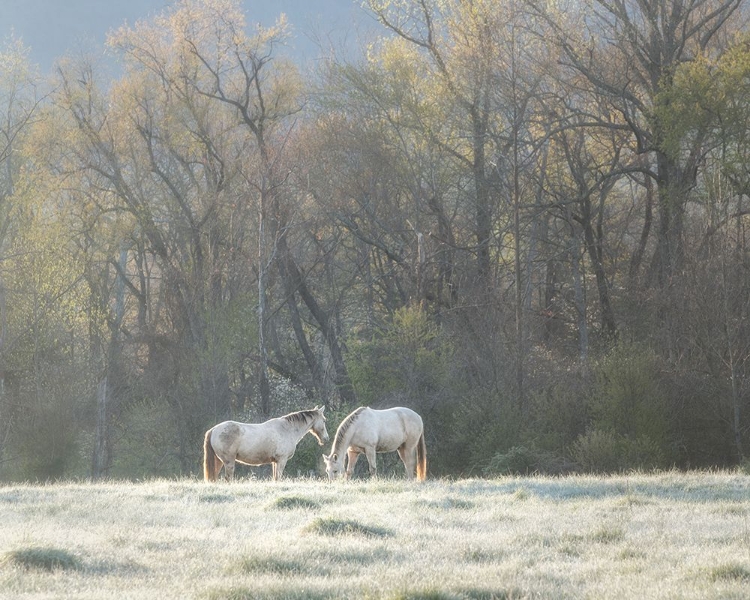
[[668, 535]]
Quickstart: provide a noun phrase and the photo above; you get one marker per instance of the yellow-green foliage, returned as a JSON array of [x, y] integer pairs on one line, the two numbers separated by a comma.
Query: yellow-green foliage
[[410, 357], [706, 96], [628, 397]]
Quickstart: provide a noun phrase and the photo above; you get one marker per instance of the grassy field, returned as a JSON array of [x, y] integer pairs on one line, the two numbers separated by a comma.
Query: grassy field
[[670, 535]]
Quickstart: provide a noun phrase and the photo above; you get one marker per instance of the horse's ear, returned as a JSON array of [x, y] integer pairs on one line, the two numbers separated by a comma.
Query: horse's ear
[[322, 409]]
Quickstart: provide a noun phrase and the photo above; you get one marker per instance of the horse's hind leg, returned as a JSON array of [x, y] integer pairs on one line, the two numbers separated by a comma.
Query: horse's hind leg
[[409, 458], [229, 470]]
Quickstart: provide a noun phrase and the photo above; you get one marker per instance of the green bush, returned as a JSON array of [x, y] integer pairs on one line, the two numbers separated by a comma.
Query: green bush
[[628, 397], [604, 451], [412, 356], [479, 429], [522, 460], [557, 415], [48, 439], [597, 452]]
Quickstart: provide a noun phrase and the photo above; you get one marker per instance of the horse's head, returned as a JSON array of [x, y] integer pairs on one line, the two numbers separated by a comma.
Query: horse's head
[[334, 468], [318, 427]]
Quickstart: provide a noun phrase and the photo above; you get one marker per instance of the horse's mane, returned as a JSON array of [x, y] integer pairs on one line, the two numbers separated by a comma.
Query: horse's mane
[[301, 415], [345, 424]]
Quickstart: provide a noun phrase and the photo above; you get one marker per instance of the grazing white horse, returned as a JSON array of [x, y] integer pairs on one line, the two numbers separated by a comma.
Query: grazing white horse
[[370, 431], [259, 444]]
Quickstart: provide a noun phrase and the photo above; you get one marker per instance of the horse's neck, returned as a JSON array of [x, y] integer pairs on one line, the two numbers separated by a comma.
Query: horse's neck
[[299, 427], [341, 444]]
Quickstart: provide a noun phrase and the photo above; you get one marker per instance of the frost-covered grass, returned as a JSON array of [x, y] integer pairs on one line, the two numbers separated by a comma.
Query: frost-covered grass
[[670, 535]]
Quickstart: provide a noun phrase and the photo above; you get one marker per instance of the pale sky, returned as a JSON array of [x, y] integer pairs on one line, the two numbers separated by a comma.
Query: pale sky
[[54, 27]]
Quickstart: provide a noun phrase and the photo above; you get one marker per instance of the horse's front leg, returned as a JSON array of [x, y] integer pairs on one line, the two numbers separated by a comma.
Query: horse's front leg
[[278, 468], [352, 460]]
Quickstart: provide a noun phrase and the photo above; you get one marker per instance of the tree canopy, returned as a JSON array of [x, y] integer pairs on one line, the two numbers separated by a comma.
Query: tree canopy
[[526, 221]]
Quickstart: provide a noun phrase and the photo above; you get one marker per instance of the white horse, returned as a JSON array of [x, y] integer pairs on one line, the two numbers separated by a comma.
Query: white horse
[[259, 444], [370, 431]]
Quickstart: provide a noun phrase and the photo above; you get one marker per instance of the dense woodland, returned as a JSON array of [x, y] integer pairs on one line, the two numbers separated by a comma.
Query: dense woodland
[[525, 220]]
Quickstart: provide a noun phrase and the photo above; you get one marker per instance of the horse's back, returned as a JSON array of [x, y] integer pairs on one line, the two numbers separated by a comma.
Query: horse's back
[[399, 414], [394, 426]]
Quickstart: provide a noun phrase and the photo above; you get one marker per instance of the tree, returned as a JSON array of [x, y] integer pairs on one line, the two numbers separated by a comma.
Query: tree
[[628, 52], [20, 99], [461, 38], [708, 99], [162, 154], [238, 72]]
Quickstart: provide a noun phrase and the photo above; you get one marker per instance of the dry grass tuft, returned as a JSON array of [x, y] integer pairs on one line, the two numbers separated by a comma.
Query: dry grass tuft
[[294, 502], [44, 559], [331, 526], [270, 564], [730, 572]]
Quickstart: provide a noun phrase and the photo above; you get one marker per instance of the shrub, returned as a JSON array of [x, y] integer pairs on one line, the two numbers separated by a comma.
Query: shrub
[[597, 452], [523, 460], [604, 451], [558, 414], [412, 356], [628, 397], [480, 429]]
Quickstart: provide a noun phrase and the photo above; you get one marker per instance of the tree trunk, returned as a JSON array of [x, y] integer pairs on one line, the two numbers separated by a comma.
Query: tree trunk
[[580, 301], [325, 324], [263, 265], [672, 190], [483, 211], [5, 420], [594, 248], [291, 301], [637, 258], [105, 393], [102, 449]]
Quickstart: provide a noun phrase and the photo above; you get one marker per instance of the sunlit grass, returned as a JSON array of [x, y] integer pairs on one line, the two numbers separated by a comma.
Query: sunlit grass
[[668, 535]]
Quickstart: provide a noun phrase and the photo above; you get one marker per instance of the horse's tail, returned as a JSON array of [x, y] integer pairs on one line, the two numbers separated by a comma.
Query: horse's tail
[[209, 458], [421, 459]]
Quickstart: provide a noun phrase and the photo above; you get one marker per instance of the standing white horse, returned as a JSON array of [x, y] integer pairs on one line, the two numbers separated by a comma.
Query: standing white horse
[[259, 444], [370, 431]]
